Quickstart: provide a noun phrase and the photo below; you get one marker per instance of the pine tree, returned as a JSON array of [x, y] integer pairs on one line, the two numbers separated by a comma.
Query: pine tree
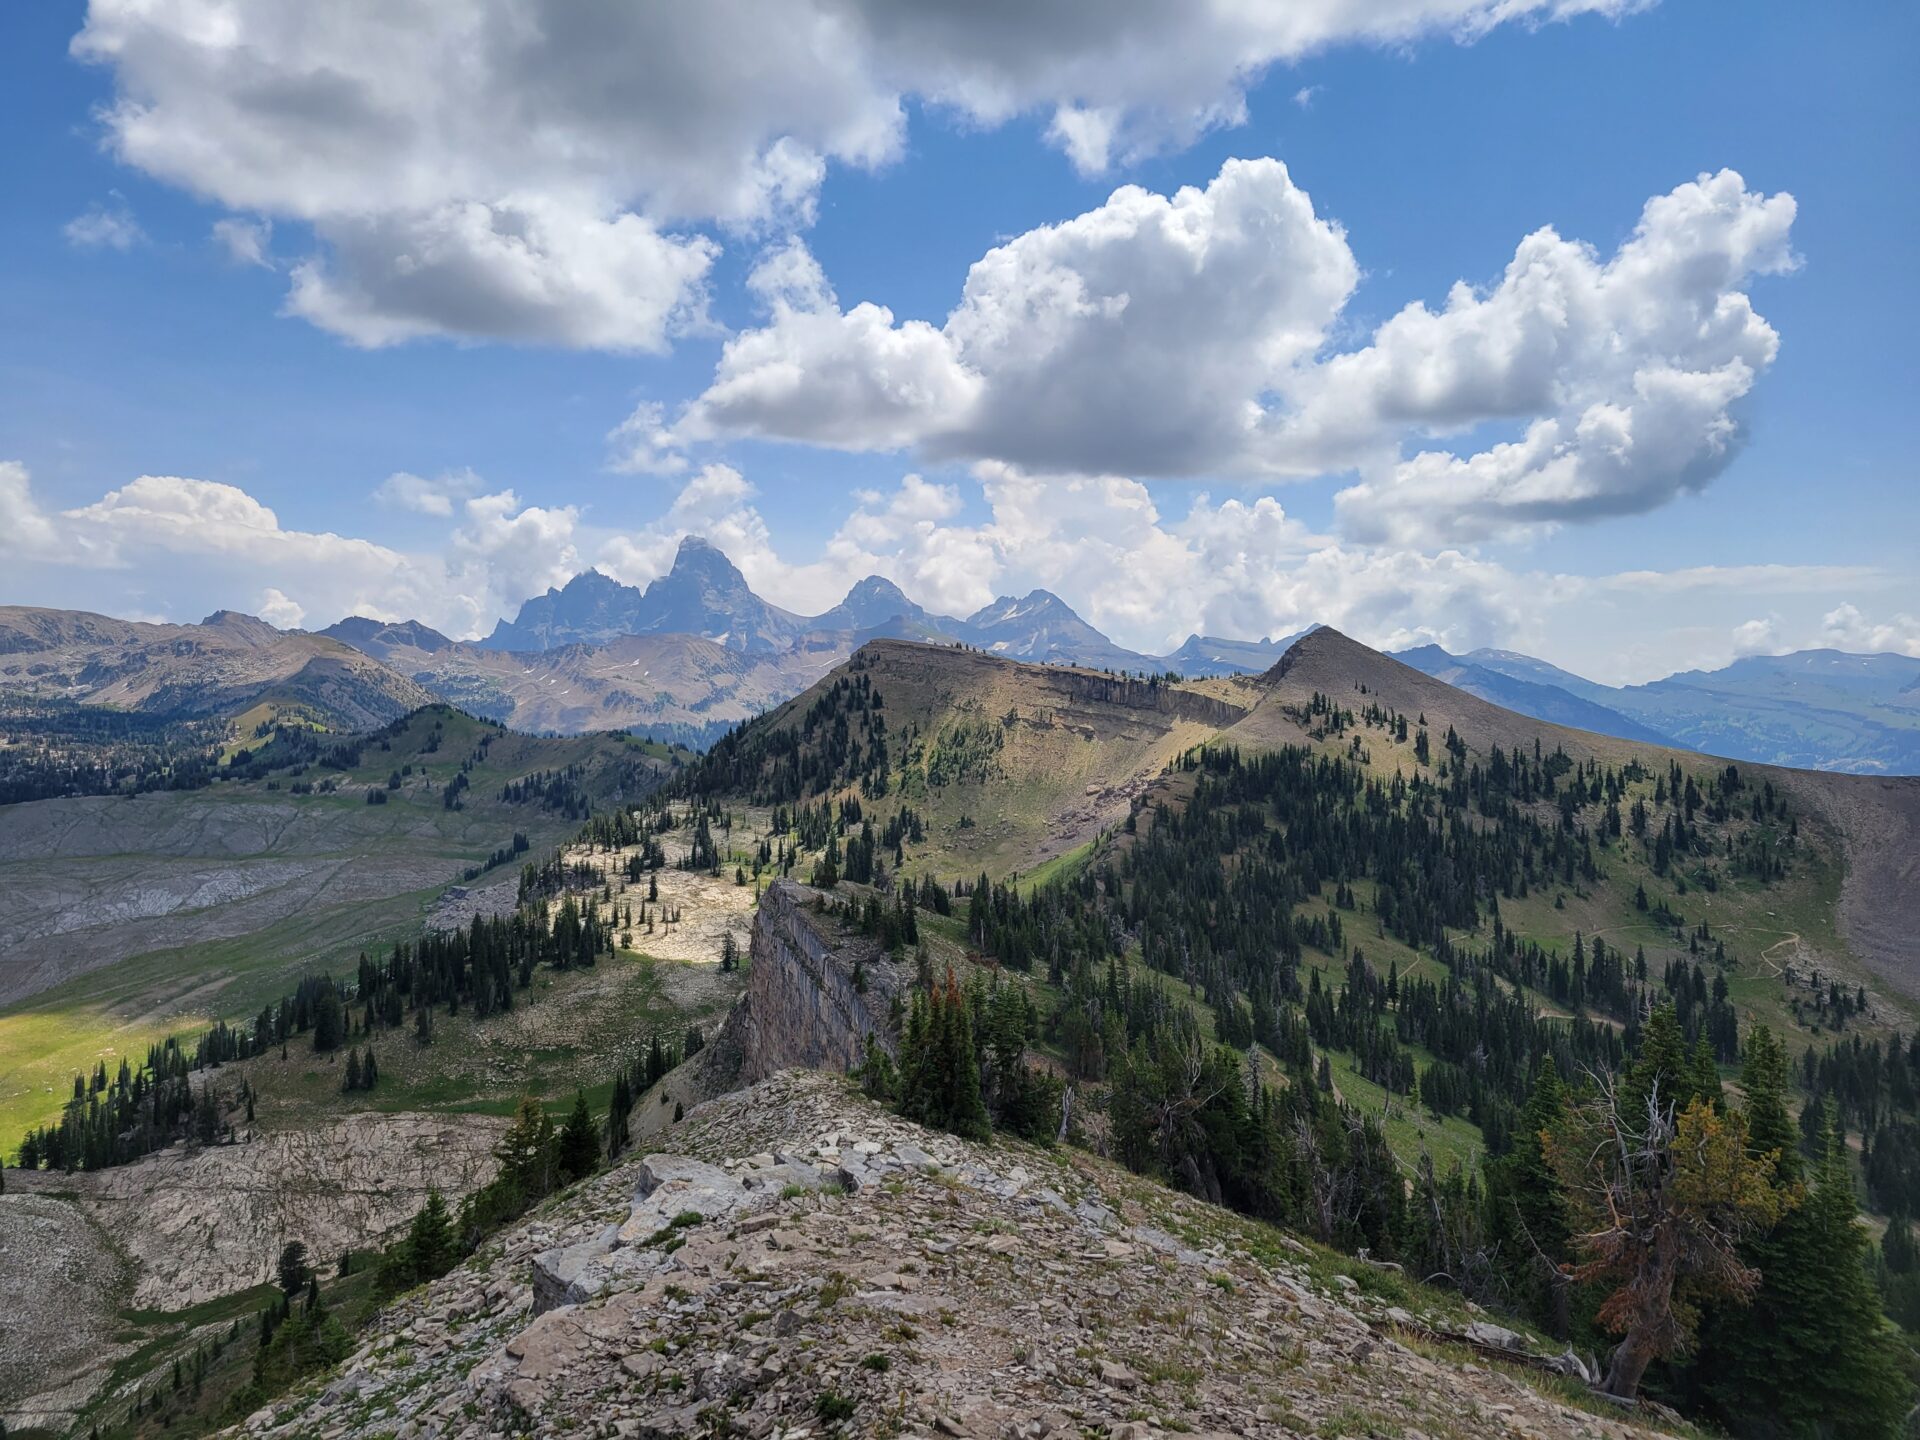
[[293, 1271], [430, 1250], [939, 1067], [1763, 1076], [351, 1080], [1660, 1200], [329, 1020], [967, 1113], [527, 1152], [1665, 1067], [579, 1141], [1526, 1212], [1812, 1354]]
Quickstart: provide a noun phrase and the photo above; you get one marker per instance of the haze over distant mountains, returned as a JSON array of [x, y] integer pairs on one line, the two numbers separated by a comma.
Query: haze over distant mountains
[[697, 651], [704, 594], [1811, 709]]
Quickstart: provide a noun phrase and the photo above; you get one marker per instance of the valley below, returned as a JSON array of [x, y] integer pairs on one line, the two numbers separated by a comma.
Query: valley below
[[701, 954]]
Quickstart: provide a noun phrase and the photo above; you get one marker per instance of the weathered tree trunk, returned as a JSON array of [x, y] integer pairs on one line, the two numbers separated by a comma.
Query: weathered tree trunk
[[1627, 1364]]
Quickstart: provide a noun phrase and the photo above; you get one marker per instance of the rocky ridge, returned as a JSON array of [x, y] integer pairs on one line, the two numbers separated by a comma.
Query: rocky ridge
[[804, 1263], [219, 667], [815, 999]]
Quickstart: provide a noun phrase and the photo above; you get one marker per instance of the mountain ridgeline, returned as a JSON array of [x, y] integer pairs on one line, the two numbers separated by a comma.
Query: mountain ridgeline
[[1335, 948], [1329, 960], [697, 652]]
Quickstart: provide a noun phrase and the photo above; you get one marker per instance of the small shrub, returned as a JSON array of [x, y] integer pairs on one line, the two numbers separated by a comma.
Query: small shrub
[[832, 1407]]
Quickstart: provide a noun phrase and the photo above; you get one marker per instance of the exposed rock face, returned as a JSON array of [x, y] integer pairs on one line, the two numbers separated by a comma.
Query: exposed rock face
[[203, 1222], [60, 1284], [672, 1189], [909, 1283], [815, 999]]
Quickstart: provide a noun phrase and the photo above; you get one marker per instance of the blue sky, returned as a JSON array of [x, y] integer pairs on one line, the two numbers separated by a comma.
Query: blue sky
[[1100, 457]]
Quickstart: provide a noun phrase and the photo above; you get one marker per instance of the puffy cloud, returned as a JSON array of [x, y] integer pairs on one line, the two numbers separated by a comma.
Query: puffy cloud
[[245, 241], [852, 382], [1625, 372], [25, 529], [506, 168], [1757, 637], [189, 546], [405, 491], [1845, 628], [1136, 336], [525, 270], [276, 608], [161, 522], [1181, 336], [101, 227], [504, 551]]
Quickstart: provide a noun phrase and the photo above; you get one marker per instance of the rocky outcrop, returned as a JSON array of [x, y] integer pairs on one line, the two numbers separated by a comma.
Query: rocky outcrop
[[61, 1283], [674, 1194], [203, 1221], [910, 1283], [816, 998]]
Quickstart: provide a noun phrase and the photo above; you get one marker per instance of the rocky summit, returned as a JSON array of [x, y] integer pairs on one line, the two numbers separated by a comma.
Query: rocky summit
[[801, 1262]]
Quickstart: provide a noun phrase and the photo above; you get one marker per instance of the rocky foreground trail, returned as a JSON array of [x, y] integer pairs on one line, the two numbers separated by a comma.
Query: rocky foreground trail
[[793, 1261]]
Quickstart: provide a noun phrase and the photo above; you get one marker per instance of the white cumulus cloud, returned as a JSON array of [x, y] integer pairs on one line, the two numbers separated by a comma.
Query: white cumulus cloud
[[1846, 628], [1137, 337], [517, 169], [1185, 336]]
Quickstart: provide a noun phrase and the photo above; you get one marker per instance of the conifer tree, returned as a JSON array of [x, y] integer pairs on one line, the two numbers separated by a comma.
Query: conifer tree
[[1659, 1199], [292, 1271], [527, 1152], [579, 1141], [1527, 1212], [329, 1020], [939, 1067], [351, 1080], [430, 1249], [1813, 1354]]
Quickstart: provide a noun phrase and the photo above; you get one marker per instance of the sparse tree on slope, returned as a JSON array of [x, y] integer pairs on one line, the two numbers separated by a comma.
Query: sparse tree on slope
[[1659, 1202], [293, 1272], [1813, 1356], [579, 1141]]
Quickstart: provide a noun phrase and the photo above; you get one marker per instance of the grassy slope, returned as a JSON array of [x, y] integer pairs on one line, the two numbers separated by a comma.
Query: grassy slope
[[1058, 747], [1765, 926], [392, 860]]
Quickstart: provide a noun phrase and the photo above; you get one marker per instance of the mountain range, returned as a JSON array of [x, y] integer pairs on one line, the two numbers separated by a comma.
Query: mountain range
[[705, 594], [1811, 709], [226, 664], [697, 651]]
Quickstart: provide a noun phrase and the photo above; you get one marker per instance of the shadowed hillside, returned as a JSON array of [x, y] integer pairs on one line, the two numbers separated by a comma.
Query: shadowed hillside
[[224, 665]]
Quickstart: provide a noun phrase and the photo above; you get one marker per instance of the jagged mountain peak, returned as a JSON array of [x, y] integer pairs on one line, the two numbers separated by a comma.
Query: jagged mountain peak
[[588, 580], [380, 638], [1007, 608], [876, 587]]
